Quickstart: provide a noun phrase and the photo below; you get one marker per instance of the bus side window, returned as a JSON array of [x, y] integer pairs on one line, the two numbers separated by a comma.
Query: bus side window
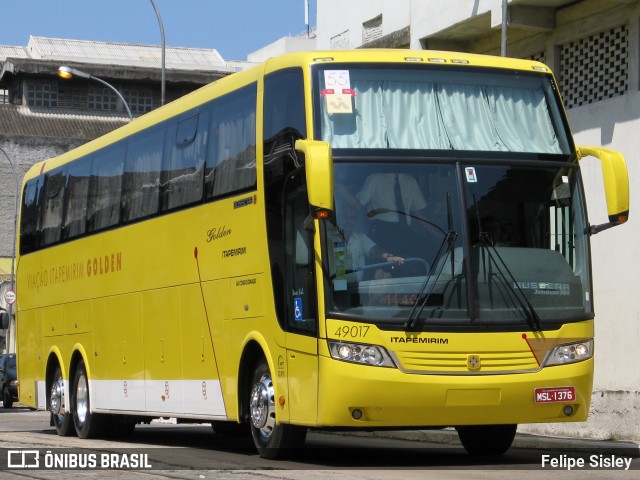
[[141, 180], [284, 109], [183, 169], [52, 207], [105, 187], [30, 217], [231, 159], [77, 186]]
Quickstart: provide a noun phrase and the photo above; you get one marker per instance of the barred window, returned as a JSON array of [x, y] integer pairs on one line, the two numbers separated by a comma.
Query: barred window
[[139, 98], [42, 93], [595, 68], [102, 98]]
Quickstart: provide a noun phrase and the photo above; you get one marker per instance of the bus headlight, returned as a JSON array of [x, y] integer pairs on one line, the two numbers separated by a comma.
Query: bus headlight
[[570, 353], [360, 353]]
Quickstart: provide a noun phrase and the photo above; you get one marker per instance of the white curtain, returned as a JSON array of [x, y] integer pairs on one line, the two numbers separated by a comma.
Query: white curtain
[[422, 115], [232, 155], [184, 163], [366, 128], [141, 184]]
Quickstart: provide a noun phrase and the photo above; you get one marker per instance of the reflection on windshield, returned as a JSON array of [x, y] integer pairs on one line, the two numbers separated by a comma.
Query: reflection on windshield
[[384, 239], [400, 245]]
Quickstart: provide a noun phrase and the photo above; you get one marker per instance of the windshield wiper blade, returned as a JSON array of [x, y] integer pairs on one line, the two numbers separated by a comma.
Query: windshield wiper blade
[[414, 321], [533, 319]]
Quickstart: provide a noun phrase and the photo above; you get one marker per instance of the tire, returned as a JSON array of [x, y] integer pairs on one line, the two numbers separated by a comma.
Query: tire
[[271, 440], [7, 401], [487, 439], [87, 424], [61, 420]]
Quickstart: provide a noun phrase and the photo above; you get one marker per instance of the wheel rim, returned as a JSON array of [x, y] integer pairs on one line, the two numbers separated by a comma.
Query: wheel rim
[[262, 406], [82, 400], [56, 399]]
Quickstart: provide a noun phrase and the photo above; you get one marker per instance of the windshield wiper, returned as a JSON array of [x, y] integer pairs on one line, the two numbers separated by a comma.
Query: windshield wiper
[[525, 305], [414, 321]]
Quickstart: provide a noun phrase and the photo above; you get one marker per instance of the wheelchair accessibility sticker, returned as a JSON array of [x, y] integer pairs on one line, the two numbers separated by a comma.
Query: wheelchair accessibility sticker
[[297, 309]]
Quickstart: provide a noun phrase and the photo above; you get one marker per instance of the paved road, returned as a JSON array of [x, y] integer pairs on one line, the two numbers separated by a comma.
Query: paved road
[[195, 452]]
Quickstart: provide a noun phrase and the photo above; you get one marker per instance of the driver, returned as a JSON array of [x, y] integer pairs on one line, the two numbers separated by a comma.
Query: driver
[[352, 246]]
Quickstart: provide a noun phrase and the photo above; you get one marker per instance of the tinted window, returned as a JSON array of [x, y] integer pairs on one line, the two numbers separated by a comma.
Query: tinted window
[[52, 207], [77, 186], [141, 180], [231, 164], [30, 217], [284, 103], [183, 172], [105, 188]]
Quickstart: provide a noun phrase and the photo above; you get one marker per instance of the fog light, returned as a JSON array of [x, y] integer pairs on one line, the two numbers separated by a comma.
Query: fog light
[[356, 413], [568, 410]]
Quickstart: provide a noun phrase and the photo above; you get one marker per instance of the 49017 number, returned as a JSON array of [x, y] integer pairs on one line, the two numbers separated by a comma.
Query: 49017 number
[[352, 332]]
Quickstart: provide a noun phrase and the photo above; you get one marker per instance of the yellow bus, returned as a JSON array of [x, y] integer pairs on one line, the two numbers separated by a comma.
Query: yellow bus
[[343, 240]]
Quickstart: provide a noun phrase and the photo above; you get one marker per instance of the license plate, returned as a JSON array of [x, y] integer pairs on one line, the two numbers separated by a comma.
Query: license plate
[[555, 394]]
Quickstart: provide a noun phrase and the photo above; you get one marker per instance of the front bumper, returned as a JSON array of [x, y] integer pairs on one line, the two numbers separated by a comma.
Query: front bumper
[[386, 397]]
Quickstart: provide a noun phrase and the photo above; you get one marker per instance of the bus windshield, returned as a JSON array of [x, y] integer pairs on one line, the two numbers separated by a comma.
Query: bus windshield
[[439, 108], [423, 244]]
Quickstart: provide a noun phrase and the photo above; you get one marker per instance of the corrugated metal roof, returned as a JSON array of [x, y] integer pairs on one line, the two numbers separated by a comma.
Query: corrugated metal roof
[[9, 51], [46, 48], [20, 120]]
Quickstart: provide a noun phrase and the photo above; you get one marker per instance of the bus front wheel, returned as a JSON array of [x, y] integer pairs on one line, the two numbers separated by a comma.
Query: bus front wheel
[[57, 405], [87, 424], [272, 440], [487, 439]]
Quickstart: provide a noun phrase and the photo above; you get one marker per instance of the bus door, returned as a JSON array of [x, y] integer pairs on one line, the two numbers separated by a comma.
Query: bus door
[[300, 310]]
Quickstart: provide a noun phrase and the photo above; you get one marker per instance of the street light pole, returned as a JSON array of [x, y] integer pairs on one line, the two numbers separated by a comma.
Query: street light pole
[[15, 234], [504, 29], [68, 72], [162, 66]]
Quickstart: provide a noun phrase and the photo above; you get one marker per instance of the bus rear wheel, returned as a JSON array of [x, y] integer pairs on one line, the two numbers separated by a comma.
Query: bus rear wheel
[[57, 405], [272, 440], [87, 424], [487, 439]]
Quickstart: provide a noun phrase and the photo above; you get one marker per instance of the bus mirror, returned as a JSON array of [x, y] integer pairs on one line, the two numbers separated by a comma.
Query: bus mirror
[[319, 172], [616, 185]]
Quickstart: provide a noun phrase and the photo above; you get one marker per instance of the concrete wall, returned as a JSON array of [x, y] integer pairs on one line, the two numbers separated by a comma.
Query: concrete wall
[[337, 17], [282, 46], [474, 26]]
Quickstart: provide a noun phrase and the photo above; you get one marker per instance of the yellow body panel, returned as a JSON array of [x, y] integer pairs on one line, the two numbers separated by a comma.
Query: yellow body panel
[[389, 398]]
